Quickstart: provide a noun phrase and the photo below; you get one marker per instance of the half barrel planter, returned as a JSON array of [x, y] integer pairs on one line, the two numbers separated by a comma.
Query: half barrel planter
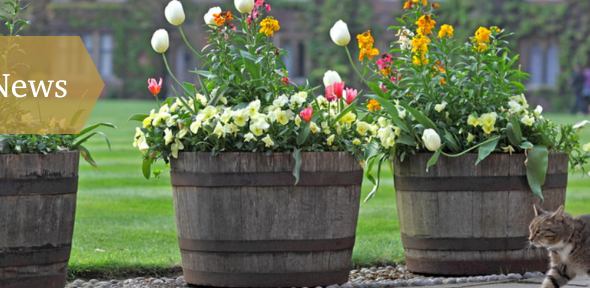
[[465, 219], [37, 209], [242, 222]]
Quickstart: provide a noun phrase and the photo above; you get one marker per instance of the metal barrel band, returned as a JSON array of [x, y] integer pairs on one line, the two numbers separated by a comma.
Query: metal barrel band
[[253, 279], [35, 256], [38, 186], [266, 246], [474, 183], [265, 179], [464, 244], [473, 267], [44, 281]]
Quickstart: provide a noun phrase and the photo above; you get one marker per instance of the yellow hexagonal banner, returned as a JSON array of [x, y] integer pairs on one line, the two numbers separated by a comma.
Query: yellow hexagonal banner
[[48, 85]]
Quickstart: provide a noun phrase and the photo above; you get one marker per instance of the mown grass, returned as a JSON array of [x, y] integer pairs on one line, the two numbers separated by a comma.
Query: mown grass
[[125, 224]]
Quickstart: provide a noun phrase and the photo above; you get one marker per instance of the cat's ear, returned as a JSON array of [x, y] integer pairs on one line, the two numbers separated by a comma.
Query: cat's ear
[[538, 210], [558, 215]]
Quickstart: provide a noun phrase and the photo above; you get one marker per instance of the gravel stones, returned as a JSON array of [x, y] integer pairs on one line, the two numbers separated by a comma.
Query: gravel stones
[[368, 277]]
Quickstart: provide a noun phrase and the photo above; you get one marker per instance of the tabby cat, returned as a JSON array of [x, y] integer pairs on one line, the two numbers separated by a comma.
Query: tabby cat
[[568, 240]]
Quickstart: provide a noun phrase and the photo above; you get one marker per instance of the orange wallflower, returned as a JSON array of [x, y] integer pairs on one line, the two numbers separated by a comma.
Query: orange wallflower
[[408, 4], [425, 25], [373, 105], [222, 17], [366, 46], [424, 2]]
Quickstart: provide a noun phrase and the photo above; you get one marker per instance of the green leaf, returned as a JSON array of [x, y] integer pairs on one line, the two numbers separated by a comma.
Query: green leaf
[[190, 87], [83, 140], [486, 149], [86, 155], [391, 110], [344, 112], [514, 133], [303, 133], [249, 62], [526, 145], [433, 159], [536, 168], [297, 157], [451, 142], [94, 126], [146, 168], [376, 186], [76, 117], [425, 121], [138, 117]]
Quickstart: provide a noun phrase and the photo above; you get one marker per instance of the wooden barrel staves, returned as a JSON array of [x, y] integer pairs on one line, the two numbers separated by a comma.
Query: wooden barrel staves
[[242, 223], [462, 219], [37, 209]]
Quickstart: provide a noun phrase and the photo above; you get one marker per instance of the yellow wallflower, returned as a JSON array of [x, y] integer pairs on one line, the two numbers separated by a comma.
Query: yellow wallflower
[[446, 31], [482, 35], [373, 105], [408, 4], [495, 28], [420, 44], [482, 47], [425, 25], [420, 60], [269, 26]]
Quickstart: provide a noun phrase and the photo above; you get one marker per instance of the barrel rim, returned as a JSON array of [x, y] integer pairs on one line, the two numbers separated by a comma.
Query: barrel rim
[[41, 154]]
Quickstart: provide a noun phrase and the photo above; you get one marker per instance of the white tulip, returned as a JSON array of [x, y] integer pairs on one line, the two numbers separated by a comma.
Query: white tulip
[[339, 33], [174, 13], [209, 17], [244, 6], [331, 77], [160, 41], [431, 139]]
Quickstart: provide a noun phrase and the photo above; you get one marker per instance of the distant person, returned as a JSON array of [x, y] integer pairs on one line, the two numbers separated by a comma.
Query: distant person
[[586, 91], [578, 80]]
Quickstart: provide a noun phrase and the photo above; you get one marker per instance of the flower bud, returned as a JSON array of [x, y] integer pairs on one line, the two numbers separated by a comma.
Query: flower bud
[[210, 16], [174, 13], [431, 139], [160, 41], [331, 77], [244, 6], [339, 33]]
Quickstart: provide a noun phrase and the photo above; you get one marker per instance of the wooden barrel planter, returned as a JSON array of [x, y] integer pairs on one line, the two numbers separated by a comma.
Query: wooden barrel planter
[[462, 219], [37, 209], [242, 223]]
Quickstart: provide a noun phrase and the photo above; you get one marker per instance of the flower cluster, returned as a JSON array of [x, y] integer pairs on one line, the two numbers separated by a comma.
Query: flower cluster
[[438, 94], [245, 101]]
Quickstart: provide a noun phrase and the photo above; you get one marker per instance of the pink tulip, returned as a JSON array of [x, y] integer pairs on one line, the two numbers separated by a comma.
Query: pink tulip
[[154, 86], [330, 96], [350, 95], [306, 114], [338, 88]]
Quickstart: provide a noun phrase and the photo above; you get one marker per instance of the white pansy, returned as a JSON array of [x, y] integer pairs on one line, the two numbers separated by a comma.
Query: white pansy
[[195, 126], [219, 130], [176, 146], [281, 101], [168, 136], [538, 110], [515, 107], [268, 141], [440, 107], [527, 120], [330, 140], [249, 137]]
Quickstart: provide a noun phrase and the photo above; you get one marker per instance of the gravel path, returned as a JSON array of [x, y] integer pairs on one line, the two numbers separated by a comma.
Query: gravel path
[[373, 277]]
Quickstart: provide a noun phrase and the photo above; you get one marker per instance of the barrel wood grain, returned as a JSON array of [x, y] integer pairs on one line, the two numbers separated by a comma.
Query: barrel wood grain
[[36, 221], [500, 217], [295, 235]]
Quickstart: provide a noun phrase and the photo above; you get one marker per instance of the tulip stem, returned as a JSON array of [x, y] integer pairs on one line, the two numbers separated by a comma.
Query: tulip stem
[[354, 66], [189, 45], [172, 75]]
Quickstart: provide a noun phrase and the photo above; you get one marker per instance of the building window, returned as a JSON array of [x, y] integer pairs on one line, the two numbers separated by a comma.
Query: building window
[[295, 61], [543, 64], [106, 55]]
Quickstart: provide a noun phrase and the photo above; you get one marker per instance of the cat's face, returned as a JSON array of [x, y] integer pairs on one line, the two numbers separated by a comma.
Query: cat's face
[[547, 228]]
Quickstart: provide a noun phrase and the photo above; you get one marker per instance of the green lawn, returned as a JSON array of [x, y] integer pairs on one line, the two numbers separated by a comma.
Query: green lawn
[[125, 224]]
